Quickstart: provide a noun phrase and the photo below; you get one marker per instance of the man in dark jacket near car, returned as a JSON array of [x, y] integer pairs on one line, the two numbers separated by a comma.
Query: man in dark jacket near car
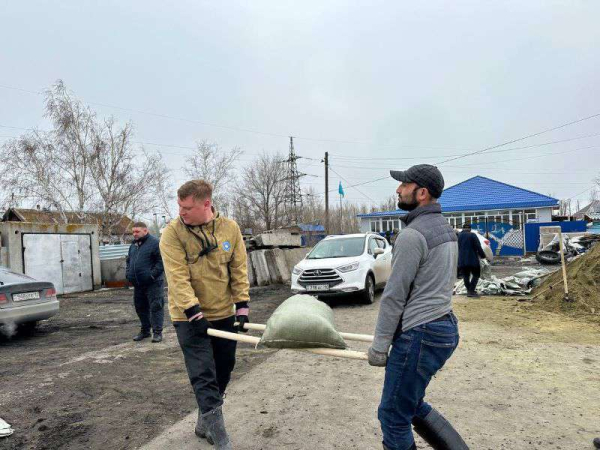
[[469, 252], [145, 271]]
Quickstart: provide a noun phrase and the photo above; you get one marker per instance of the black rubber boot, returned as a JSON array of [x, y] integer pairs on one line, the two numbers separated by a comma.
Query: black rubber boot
[[215, 429], [597, 442], [157, 337], [438, 432], [141, 335]]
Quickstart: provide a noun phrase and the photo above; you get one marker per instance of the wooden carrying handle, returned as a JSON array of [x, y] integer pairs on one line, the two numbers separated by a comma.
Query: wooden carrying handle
[[351, 354], [346, 336]]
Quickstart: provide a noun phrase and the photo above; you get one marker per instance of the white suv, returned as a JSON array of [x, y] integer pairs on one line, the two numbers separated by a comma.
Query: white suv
[[352, 263]]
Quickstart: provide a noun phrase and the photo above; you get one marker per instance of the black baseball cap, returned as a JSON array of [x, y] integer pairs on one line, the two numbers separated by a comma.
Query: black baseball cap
[[425, 175]]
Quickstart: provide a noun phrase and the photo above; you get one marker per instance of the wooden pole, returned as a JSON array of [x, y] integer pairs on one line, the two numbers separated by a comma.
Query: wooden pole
[[346, 336], [564, 266], [319, 351]]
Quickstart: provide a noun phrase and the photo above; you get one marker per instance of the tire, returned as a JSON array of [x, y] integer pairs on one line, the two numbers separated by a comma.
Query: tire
[[548, 257], [27, 328], [368, 295]]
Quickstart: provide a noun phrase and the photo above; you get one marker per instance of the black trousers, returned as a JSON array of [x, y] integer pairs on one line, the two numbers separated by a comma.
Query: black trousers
[[471, 277], [209, 361], [149, 304]]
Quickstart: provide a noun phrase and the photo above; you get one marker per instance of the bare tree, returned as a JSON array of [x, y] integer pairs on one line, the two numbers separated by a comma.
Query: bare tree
[[564, 207], [83, 165], [209, 162], [127, 181], [313, 207], [389, 204], [262, 191], [52, 167], [36, 168]]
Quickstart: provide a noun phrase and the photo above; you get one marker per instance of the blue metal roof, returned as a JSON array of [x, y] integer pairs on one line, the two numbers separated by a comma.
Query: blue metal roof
[[481, 194]]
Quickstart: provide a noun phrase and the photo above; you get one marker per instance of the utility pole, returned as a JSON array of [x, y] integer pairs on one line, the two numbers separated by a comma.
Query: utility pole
[[326, 160]]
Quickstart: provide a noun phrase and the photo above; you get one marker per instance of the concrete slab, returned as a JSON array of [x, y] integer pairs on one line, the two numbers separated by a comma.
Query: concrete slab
[[294, 255], [278, 270], [285, 274], [251, 274], [261, 268], [278, 239]]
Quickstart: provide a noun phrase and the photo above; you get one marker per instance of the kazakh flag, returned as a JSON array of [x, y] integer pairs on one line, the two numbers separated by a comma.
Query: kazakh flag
[[341, 189]]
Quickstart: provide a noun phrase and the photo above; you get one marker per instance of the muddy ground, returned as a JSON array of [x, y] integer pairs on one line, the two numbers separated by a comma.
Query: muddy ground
[[79, 381], [520, 379]]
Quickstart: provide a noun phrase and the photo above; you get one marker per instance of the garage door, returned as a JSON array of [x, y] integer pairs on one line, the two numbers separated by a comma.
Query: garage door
[[63, 259]]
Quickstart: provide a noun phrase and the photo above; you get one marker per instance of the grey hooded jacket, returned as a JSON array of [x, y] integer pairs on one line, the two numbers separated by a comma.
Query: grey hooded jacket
[[419, 289]]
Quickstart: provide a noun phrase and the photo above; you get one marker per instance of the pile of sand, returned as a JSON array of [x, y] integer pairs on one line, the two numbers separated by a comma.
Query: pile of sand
[[583, 277]]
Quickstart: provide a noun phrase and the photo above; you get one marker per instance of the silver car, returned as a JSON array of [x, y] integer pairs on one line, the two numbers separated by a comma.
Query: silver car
[[24, 300]]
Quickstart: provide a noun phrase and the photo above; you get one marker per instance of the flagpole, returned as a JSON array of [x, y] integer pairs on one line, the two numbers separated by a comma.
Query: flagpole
[[341, 217], [341, 193]]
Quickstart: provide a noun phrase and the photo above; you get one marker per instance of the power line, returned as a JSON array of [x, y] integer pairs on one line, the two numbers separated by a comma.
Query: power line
[[358, 190], [352, 158], [247, 130], [521, 138], [354, 185], [197, 122], [479, 165], [183, 147]]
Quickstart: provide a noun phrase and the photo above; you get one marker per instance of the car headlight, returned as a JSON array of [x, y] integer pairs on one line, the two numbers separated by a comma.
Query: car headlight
[[348, 267], [296, 270]]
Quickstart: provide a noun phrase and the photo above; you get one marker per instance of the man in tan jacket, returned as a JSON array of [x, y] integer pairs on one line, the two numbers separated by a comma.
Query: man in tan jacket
[[205, 263]]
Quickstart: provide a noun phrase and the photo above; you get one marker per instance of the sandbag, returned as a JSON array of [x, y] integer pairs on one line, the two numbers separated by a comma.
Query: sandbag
[[302, 321]]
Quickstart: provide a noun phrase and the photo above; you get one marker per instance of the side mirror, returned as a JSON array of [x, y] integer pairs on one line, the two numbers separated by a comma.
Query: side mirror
[[378, 251]]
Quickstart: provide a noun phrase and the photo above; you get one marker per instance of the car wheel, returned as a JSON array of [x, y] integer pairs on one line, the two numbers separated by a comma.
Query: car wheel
[[27, 328], [368, 295]]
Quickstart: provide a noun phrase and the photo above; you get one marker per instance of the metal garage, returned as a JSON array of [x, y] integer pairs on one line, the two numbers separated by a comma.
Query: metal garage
[[64, 254], [66, 259]]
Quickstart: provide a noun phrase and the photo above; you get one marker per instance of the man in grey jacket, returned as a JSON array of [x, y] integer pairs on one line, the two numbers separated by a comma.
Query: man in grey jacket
[[415, 316]]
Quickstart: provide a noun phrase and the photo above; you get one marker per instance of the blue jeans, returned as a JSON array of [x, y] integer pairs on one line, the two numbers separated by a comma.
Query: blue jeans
[[416, 356]]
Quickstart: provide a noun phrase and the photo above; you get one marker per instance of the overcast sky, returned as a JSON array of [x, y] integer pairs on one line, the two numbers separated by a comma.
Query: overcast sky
[[370, 82]]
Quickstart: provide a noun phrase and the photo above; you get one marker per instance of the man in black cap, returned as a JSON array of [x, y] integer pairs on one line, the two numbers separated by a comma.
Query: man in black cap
[[415, 317]]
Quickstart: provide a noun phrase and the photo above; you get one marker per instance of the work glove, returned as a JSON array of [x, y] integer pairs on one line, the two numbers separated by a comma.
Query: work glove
[[241, 315], [197, 320], [378, 359]]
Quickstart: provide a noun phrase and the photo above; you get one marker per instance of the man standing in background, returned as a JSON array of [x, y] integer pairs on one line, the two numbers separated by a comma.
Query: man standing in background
[[469, 252], [145, 272]]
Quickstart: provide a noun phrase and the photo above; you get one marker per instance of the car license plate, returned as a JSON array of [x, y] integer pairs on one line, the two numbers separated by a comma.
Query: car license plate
[[317, 287], [25, 296]]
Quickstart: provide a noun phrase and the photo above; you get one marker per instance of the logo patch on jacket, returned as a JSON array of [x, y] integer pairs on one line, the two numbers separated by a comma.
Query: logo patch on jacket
[[226, 246]]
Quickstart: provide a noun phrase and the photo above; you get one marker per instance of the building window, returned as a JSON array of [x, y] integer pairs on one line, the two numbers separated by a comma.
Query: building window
[[375, 226], [530, 214]]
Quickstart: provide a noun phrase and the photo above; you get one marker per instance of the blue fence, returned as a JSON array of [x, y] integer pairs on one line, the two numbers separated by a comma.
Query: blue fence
[[532, 231], [505, 239]]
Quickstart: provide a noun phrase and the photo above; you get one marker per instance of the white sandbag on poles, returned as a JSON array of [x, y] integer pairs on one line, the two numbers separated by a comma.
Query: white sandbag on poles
[[301, 323]]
